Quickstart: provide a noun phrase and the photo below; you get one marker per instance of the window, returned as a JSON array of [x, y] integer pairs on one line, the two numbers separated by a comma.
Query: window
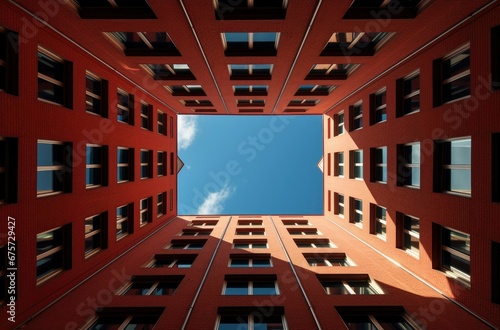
[[339, 203], [195, 232], [144, 43], [161, 123], [355, 43], [315, 90], [376, 317], [161, 204], [146, 160], [409, 233], [257, 90], [254, 244], [146, 112], [95, 234], [409, 164], [356, 112], [169, 71], [378, 107], [145, 285], [313, 243], [250, 9], [171, 199], [202, 223], [408, 94], [109, 9], [451, 77], [252, 319], [181, 261], [125, 164], [125, 318], [96, 168], [303, 102], [55, 79], [187, 244], [8, 170], [495, 164], [197, 103], [356, 157], [304, 231], [362, 9], [495, 56], [249, 222], [172, 164], [346, 284], [162, 163], [453, 166], [455, 253], [339, 164], [54, 167], [356, 211], [328, 260], [495, 272], [296, 222], [96, 95], [4, 295], [124, 220], [172, 127], [9, 61], [379, 164], [250, 103], [257, 71], [250, 44], [250, 232], [331, 71], [125, 107], [186, 90], [339, 119], [379, 221], [53, 252], [145, 211], [329, 164], [253, 261], [238, 286]]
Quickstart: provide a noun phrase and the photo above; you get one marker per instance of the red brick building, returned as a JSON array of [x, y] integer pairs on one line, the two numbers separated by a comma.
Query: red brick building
[[90, 92]]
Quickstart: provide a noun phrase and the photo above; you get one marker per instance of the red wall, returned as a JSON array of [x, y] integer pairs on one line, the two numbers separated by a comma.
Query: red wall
[[29, 119], [475, 215]]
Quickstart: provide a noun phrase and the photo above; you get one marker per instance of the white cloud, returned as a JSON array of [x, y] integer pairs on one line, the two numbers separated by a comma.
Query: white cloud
[[187, 127], [213, 203]]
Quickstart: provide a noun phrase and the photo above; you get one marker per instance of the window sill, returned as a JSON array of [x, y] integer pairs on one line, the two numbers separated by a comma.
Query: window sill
[[47, 194], [92, 253], [411, 187], [456, 100], [47, 277], [455, 193], [94, 114], [51, 102], [413, 254], [409, 113], [463, 282], [123, 181], [118, 238], [93, 186]]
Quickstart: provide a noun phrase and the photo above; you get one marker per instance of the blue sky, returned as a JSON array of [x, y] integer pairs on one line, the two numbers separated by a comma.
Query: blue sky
[[250, 165]]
